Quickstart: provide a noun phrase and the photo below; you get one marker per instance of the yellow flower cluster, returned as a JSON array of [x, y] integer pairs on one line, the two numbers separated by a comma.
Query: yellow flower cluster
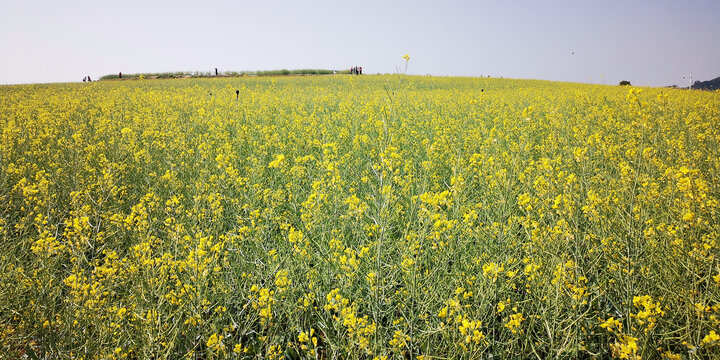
[[342, 216]]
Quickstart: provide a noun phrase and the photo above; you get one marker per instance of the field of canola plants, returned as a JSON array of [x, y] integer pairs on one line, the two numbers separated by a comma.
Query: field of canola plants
[[374, 217]]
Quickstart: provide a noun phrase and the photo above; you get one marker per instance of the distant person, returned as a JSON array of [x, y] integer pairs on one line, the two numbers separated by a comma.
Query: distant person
[[360, 70], [89, 79], [84, 79], [215, 71], [120, 75]]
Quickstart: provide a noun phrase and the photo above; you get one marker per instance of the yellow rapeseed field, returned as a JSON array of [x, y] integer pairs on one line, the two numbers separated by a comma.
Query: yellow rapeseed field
[[358, 217]]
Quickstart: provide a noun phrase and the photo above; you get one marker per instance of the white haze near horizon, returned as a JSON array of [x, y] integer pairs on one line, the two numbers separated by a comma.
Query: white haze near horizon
[[649, 43]]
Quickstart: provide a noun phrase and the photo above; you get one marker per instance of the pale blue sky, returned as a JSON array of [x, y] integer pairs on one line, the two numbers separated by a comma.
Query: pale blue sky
[[652, 43]]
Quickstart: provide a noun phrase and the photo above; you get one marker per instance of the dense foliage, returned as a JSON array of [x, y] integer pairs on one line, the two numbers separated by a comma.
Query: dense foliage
[[358, 217]]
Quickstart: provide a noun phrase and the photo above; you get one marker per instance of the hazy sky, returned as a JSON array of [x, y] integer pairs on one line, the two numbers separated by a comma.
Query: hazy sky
[[651, 42]]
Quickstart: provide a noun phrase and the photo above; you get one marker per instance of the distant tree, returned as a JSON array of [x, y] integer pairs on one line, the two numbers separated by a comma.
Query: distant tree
[[624, 83]]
